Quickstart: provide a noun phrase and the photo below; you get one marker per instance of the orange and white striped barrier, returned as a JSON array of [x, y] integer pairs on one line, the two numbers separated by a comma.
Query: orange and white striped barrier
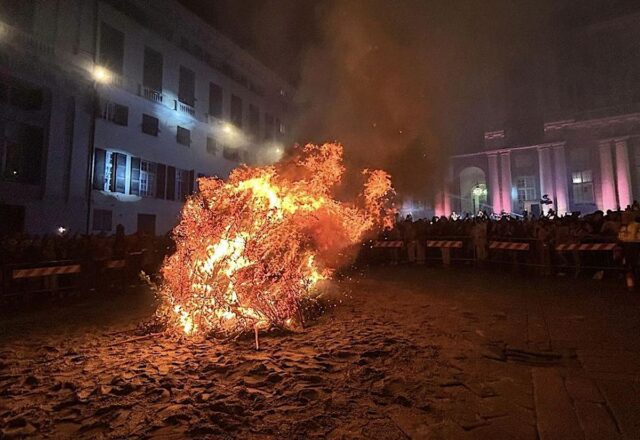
[[587, 247], [115, 264], [507, 245], [387, 244], [444, 244], [44, 271]]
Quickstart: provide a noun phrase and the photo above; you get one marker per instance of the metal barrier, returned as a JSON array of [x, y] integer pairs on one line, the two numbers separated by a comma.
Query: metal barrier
[[444, 244], [450, 249], [51, 276], [586, 247], [68, 275], [387, 244], [515, 253], [510, 246]]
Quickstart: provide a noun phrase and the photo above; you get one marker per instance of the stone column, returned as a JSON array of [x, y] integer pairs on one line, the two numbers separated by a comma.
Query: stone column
[[546, 176], [494, 183], [506, 182], [561, 184], [623, 175], [606, 177]]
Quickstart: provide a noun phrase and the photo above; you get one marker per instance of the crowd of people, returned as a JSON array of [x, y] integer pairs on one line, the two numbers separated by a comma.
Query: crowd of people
[[23, 249], [542, 233]]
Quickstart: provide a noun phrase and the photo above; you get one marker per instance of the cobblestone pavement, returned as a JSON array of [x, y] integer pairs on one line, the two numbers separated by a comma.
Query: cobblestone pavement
[[406, 352]]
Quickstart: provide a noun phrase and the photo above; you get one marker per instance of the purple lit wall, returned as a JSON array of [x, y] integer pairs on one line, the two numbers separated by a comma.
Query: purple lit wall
[[623, 174], [606, 176], [494, 183]]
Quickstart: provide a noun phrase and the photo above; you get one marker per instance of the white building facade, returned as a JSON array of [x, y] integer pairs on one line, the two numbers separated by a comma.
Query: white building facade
[[584, 164], [111, 110]]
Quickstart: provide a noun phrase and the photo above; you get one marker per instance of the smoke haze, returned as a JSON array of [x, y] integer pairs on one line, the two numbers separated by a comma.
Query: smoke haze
[[401, 84]]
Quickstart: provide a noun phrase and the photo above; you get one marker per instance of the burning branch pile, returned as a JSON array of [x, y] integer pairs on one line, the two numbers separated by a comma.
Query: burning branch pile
[[251, 249]]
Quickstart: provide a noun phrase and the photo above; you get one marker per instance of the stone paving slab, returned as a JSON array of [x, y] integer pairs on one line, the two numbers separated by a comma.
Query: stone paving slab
[[624, 400], [556, 417], [596, 421]]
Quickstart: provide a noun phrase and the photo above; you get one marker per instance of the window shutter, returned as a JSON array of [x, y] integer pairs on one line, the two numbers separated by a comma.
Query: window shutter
[[171, 183], [191, 181], [121, 172], [184, 179], [161, 181], [98, 168], [134, 181]]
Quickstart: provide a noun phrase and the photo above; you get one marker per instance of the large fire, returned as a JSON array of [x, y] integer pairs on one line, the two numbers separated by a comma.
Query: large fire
[[250, 250]]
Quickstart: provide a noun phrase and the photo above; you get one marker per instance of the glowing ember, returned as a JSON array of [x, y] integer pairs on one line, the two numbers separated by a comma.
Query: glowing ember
[[251, 249]]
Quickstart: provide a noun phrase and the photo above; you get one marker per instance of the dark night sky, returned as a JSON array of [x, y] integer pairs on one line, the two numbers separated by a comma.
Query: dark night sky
[[401, 83]]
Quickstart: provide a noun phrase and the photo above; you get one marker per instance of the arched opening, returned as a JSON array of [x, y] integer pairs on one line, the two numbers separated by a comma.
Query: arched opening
[[473, 190]]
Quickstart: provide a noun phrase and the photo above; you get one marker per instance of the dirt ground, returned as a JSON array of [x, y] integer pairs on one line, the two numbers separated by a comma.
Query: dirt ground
[[404, 352]]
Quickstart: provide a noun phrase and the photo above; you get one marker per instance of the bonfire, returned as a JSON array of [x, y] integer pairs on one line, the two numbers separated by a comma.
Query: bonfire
[[251, 250]]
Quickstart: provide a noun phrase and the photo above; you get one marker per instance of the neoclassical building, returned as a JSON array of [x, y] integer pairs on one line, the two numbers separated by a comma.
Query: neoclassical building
[[565, 123], [583, 164], [110, 110]]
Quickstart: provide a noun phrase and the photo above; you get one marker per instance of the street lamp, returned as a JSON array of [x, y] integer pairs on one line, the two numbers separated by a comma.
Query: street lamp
[[228, 129], [101, 75]]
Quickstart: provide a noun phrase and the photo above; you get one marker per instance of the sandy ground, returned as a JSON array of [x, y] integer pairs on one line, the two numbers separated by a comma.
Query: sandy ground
[[406, 352]]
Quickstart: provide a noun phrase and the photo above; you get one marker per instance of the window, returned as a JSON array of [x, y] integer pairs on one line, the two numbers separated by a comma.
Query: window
[[142, 178], [171, 183], [109, 171], [187, 86], [152, 70], [116, 113], [254, 120], [111, 53], [215, 100], [181, 184], [184, 183], [102, 220], [150, 125], [21, 153], [230, 153], [118, 175], [582, 185], [147, 178], [236, 111], [183, 136], [212, 146], [526, 187], [268, 127]]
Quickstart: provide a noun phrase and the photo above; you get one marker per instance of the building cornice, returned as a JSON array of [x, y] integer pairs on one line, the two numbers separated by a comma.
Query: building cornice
[[599, 122], [509, 150]]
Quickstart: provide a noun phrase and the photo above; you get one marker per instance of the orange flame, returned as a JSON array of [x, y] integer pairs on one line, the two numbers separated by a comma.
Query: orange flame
[[249, 250]]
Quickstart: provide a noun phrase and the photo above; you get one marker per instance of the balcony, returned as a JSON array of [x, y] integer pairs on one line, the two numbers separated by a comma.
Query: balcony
[[185, 108], [25, 41], [150, 94]]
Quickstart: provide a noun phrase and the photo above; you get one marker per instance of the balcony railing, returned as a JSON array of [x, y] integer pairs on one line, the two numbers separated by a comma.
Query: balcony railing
[[185, 108], [150, 94], [24, 40]]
